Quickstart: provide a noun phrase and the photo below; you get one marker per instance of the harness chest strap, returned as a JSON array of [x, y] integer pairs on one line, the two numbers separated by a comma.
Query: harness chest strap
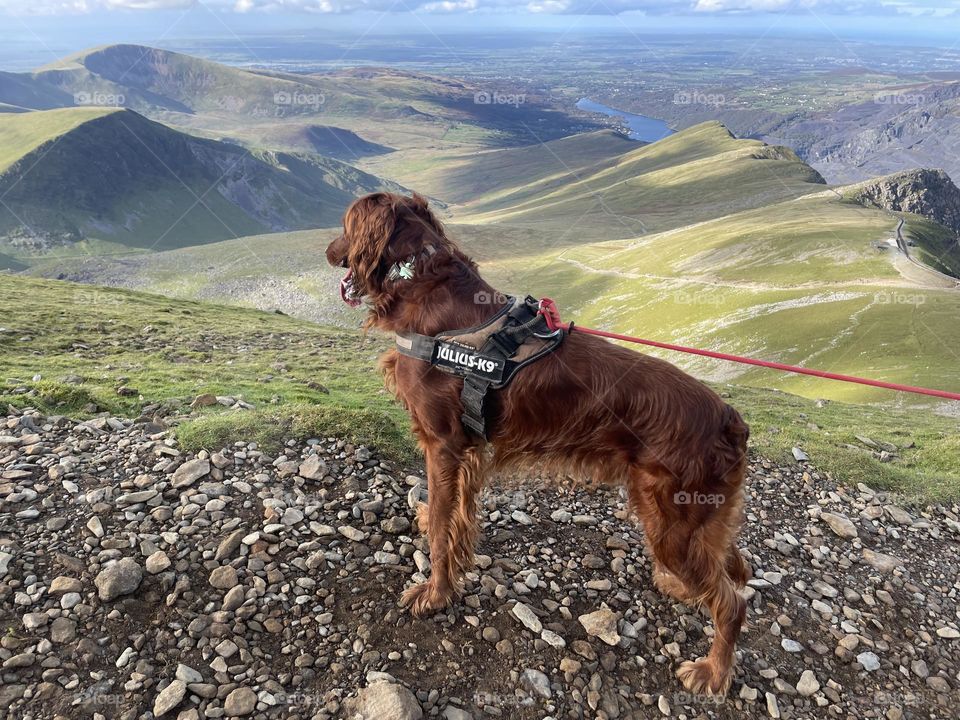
[[486, 356]]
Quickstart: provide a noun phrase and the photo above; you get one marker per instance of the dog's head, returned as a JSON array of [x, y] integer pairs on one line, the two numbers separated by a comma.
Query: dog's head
[[379, 231]]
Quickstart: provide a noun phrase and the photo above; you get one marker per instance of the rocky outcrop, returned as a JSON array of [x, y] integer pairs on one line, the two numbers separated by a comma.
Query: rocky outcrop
[[930, 193]]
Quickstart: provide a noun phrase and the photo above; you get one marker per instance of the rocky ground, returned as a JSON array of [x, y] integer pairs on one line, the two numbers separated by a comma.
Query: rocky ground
[[137, 581]]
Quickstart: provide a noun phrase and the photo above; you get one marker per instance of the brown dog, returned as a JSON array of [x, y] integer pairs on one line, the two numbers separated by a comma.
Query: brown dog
[[591, 407]]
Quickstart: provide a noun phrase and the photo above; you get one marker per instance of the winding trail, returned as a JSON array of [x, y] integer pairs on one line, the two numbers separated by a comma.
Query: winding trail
[[905, 249]]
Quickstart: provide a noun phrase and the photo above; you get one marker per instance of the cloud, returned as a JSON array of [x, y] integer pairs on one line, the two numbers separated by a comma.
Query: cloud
[[148, 4], [839, 7], [915, 8], [448, 6]]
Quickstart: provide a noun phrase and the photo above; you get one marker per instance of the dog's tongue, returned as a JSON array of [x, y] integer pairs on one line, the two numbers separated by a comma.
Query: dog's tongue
[[345, 290]]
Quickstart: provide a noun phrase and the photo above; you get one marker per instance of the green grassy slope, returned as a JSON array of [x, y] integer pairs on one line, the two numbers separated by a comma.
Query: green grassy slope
[[800, 282], [22, 133], [460, 177], [113, 175], [934, 245], [307, 381], [301, 378], [700, 173]]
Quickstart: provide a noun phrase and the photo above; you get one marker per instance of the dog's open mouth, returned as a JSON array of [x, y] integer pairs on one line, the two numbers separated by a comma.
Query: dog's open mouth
[[347, 290]]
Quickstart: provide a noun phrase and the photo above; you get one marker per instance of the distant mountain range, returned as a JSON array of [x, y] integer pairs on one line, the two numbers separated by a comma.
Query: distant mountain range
[[904, 127], [250, 105], [701, 239], [113, 175], [145, 148]]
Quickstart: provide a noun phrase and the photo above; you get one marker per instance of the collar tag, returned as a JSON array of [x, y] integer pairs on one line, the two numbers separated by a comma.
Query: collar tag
[[405, 271]]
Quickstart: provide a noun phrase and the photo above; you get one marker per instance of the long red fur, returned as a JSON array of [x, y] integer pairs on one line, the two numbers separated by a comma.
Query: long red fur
[[591, 409]]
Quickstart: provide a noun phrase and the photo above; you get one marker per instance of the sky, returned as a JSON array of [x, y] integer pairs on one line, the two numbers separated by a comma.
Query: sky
[[34, 32], [482, 8]]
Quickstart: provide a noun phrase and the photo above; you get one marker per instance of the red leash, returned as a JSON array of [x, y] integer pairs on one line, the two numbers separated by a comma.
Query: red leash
[[548, 308]]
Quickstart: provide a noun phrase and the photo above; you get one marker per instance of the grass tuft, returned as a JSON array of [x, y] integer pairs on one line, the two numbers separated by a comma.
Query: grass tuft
[[271, 428]]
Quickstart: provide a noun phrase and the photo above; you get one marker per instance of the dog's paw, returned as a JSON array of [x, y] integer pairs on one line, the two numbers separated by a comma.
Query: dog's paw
[[424, 599], [702, 678]]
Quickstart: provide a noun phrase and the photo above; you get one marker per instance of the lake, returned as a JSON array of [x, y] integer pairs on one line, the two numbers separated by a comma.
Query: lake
[[641, 127]]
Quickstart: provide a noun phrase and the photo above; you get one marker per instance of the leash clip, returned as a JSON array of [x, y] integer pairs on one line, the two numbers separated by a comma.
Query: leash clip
[[548, 309]]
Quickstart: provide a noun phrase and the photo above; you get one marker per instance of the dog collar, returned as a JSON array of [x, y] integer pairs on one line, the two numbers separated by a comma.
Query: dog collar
[[406, 269]]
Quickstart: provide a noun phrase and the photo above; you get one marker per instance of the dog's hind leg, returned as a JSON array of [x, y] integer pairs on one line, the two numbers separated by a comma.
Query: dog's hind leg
[[712, 675], [691, 541], [454, 482]]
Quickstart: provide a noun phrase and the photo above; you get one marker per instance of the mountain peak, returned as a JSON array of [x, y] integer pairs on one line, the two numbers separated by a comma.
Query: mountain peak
[[116, 52], [923, 191]]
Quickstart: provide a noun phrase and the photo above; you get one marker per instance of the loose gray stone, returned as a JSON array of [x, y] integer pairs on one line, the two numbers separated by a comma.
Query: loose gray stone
[[808, 684], [527, 617], [189, 473], [63, 630], [121, 578], [383, 700], [601, 623], [313, 468], [224, 577], [157, 562], [536, 683], [841, 525], [240, 702], [883, 563], [168, 698], [869, 661]]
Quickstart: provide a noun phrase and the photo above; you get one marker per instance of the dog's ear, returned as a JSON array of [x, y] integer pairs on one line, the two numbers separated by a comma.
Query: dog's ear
[[432, 226], [369, 224], [417, 227]]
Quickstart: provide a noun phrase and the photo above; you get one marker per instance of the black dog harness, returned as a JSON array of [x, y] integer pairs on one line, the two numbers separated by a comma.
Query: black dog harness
[[486, 356]]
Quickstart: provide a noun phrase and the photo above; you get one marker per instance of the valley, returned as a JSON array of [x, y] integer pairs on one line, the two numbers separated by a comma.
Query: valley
[[699, 238]]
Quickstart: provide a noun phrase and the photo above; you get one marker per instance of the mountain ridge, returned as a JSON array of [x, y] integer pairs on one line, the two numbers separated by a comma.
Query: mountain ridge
[[112, 174]]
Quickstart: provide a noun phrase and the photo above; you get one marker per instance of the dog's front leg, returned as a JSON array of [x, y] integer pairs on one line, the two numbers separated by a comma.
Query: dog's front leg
[[454, 480]]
